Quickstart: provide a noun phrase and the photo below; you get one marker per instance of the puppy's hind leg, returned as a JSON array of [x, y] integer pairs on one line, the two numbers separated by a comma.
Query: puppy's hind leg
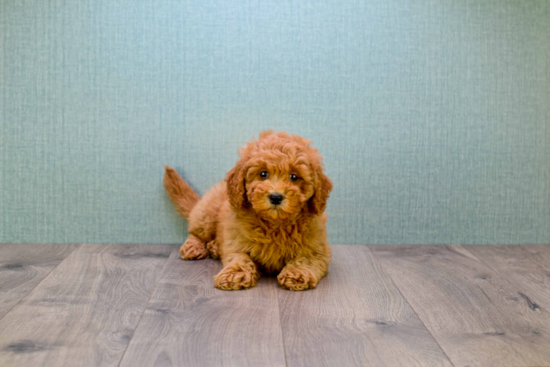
[[203, 221], [193, 249]]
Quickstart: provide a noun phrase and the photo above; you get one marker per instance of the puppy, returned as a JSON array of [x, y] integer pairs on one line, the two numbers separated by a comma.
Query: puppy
[[265, 217]]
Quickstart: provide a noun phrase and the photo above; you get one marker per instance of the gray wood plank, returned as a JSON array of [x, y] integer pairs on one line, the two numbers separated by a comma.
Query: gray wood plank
[[476, 315], [23, 266], [519, 265], [188, 322], [540, 254], [355, 317], [85, 311]]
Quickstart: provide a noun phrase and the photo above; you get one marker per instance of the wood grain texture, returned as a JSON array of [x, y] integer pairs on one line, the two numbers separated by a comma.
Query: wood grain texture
[[522, 267], [23, 266], [188, 322], [355, 317], [540, 254], [477, 316], [85, 311]]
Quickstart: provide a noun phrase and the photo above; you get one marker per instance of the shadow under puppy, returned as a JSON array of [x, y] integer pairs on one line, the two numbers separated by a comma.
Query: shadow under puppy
[[266, 216]]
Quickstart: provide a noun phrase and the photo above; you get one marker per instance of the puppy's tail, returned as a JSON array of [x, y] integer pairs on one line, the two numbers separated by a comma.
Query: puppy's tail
[[181, 194]]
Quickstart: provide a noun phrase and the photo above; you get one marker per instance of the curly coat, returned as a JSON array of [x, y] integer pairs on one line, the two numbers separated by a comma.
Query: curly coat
[[237, 221]]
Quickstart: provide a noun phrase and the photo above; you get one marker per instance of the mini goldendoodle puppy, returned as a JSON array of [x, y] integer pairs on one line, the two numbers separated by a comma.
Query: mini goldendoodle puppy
[[266, 216]]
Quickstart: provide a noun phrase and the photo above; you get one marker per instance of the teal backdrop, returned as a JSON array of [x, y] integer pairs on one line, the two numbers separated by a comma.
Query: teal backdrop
[[433, 116]]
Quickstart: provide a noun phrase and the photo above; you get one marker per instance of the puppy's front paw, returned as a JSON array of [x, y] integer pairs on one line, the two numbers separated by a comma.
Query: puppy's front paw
[[297, 279], [231, 279], [193, 249]]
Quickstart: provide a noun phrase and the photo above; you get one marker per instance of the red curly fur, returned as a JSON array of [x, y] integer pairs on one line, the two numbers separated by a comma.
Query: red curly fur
[[236, 222]]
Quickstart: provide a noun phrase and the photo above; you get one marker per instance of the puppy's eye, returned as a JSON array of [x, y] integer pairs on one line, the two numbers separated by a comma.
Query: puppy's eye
[[264, 174], [293, 177]]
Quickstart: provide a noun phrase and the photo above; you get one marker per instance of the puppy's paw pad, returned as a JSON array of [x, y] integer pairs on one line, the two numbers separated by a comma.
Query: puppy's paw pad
[[297, 279], [193, 249], [234, 280]]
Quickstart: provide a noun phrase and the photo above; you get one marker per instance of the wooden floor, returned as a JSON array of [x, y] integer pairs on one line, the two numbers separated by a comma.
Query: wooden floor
[[140, 305]]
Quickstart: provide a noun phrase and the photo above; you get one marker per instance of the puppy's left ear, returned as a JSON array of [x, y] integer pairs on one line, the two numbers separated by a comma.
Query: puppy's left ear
[[318, 201], [236, 189]]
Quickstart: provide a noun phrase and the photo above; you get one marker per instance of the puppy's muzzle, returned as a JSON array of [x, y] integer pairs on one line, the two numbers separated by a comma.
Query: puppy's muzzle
[[276, 198]]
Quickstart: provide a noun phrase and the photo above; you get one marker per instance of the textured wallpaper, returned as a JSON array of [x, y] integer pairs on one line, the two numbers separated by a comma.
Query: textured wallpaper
[[433, 116]]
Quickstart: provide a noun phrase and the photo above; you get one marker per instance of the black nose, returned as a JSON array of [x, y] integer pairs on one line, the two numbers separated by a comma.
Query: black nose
[[275, 198]]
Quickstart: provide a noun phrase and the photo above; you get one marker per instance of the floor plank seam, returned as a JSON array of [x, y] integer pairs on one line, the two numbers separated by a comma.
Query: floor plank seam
[[146, 305], [412, 308], [77, 246], [281, 325]]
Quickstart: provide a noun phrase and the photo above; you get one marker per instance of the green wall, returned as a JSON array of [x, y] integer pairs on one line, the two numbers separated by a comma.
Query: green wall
[[433, 116]]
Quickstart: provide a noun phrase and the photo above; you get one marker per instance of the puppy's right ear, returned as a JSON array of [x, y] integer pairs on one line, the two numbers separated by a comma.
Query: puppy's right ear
[[236, 189]]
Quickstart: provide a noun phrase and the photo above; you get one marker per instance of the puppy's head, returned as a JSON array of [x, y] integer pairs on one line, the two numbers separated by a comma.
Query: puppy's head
[[279, 175]]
